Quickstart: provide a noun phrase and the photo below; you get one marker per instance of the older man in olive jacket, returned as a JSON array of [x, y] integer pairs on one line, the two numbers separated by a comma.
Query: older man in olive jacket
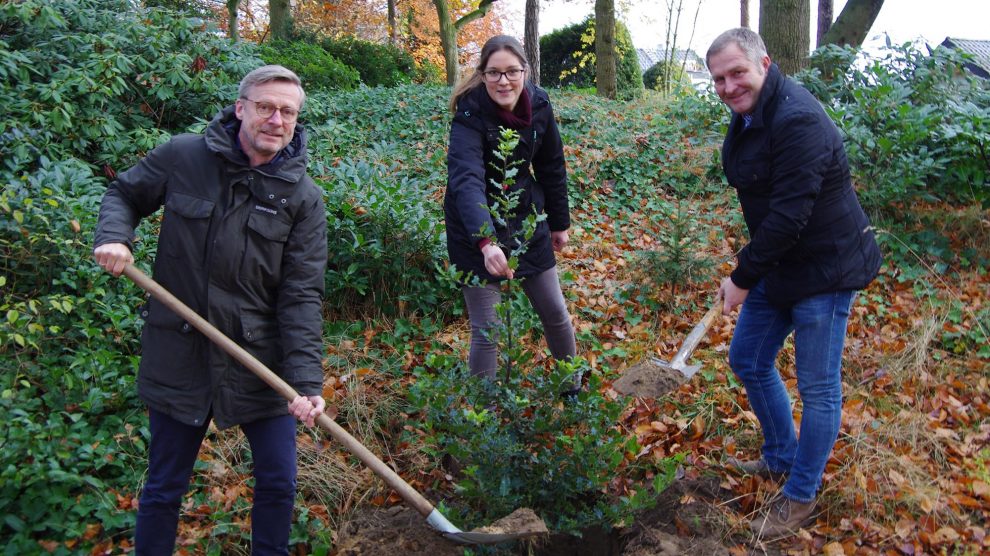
[[242, 242], [811, 247]]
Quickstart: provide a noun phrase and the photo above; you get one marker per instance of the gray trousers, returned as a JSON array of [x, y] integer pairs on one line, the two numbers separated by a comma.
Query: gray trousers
[[543, 291]]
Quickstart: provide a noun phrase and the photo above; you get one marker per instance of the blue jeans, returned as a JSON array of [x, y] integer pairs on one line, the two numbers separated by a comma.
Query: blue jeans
[[173, 451], [819, 326]]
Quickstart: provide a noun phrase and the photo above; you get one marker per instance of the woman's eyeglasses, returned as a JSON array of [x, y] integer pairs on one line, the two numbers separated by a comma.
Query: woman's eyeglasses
[[494, 76]]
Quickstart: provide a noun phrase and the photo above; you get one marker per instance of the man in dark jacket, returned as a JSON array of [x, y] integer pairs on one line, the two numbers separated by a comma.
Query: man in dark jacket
[[242, 242], [811, 247]]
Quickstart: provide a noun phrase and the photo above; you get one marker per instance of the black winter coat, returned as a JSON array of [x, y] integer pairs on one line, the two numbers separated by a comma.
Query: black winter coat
[[808, 232], [472, 182], [244, 247]]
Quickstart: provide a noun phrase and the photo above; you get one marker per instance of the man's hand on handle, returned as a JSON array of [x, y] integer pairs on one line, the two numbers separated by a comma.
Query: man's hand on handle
[[307, 408], [731, 294], [113, 257]]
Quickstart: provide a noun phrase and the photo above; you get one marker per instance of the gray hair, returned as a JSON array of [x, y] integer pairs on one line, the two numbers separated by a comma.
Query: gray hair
[[746, 39], [267, 74]]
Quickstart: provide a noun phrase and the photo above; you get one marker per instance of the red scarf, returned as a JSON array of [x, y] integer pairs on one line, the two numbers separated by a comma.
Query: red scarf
[[521, 116]]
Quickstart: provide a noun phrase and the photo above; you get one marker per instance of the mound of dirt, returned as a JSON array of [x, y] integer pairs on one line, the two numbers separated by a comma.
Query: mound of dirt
[[648, 379], [396, 530], [686, 520], [523, 521], [400, 530]]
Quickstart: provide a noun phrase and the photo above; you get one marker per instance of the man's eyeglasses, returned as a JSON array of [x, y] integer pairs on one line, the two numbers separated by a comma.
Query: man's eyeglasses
[[266, 109], [494, 76]]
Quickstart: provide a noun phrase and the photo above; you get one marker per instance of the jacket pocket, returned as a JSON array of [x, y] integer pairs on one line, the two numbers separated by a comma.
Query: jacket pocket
[[260, 337], [752, 174], [171, 356], [185, 228], [266, 237]]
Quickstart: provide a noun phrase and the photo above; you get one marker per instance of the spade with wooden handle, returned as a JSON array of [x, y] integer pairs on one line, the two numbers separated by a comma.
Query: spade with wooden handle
[[531, 526]]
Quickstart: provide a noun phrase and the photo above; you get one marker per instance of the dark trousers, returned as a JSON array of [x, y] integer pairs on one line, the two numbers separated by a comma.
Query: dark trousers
[[173, 451]]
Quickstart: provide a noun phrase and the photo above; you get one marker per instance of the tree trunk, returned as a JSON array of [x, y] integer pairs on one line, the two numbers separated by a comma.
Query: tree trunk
[[532, 39], [743, 13], [448, 33], [279, 19], [784, 27], [824, 20], [393, 31], [605, 64], [232, 23], [853, 23], [448, 40]]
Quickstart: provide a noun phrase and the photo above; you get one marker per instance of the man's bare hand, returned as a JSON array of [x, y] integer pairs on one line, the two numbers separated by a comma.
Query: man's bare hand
[[732, 295], [307, 408], [113, 257]]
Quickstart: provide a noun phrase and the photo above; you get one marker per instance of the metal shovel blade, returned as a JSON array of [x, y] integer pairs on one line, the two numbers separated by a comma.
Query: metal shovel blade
[[654, 377], [411, 496]]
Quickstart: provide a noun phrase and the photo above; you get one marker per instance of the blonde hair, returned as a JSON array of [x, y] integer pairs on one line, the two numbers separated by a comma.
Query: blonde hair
[[267, 74], [473, 78]]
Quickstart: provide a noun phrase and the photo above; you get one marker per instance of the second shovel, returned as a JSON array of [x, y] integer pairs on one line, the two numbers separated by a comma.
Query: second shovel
[[652, 377]]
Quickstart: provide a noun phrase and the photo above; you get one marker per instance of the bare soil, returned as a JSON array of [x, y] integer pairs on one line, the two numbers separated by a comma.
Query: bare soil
[[648, 378], [686, 520]]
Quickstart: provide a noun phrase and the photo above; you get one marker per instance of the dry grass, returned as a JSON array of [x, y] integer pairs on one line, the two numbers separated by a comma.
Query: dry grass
[[890, 456]]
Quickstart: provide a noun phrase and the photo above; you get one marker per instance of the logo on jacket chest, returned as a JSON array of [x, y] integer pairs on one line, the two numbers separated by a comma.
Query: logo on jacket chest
[[265, 209]]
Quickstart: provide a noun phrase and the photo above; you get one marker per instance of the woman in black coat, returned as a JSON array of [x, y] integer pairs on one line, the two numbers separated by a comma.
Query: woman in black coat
[[497, 95]]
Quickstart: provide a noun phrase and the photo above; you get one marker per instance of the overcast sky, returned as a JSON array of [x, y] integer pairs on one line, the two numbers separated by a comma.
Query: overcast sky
[[903, 20]]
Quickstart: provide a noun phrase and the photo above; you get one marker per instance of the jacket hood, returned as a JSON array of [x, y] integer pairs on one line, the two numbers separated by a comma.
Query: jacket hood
[[221, 138]]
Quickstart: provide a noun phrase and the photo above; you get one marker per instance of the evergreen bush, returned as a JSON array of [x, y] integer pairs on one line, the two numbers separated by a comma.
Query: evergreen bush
[[654, 77], [916, 126], [378, 64], [317, 68], [567, 59]]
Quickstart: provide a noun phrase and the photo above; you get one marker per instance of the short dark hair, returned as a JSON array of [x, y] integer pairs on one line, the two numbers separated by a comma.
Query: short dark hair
[[747, 40]]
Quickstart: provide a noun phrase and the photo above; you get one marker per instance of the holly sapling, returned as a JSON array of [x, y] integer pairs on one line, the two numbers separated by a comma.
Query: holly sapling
[[505, 210]]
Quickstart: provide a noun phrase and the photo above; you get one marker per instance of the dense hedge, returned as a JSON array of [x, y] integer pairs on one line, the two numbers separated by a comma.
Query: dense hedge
[[317, 68], [916, 126], [567, 58]]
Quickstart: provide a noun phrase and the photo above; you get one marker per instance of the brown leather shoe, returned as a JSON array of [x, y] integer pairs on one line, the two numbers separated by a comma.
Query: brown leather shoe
[[756, 467], [783, 518]]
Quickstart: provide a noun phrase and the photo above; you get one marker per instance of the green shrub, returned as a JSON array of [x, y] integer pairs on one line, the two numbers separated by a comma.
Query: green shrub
[[655, 77], [317, 68], [384, 240], [380, 155], [567, 58], [99, 79], [915, 126], [74, 437], [518, 445], [379, 64], [428, 73]]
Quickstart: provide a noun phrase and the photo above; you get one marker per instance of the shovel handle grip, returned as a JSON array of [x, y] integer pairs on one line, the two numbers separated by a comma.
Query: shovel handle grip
[[697, 333], [351, 444]]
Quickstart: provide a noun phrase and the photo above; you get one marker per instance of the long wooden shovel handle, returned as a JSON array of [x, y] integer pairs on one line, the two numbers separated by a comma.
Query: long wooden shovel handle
[[697, 333], [351, 444]]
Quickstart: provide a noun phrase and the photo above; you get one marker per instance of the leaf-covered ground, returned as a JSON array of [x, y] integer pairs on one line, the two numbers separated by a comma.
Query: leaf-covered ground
[[654, 231]]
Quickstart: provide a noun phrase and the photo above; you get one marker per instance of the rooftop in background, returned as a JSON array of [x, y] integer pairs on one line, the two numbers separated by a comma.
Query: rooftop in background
[[979, 50], [648, 57]]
